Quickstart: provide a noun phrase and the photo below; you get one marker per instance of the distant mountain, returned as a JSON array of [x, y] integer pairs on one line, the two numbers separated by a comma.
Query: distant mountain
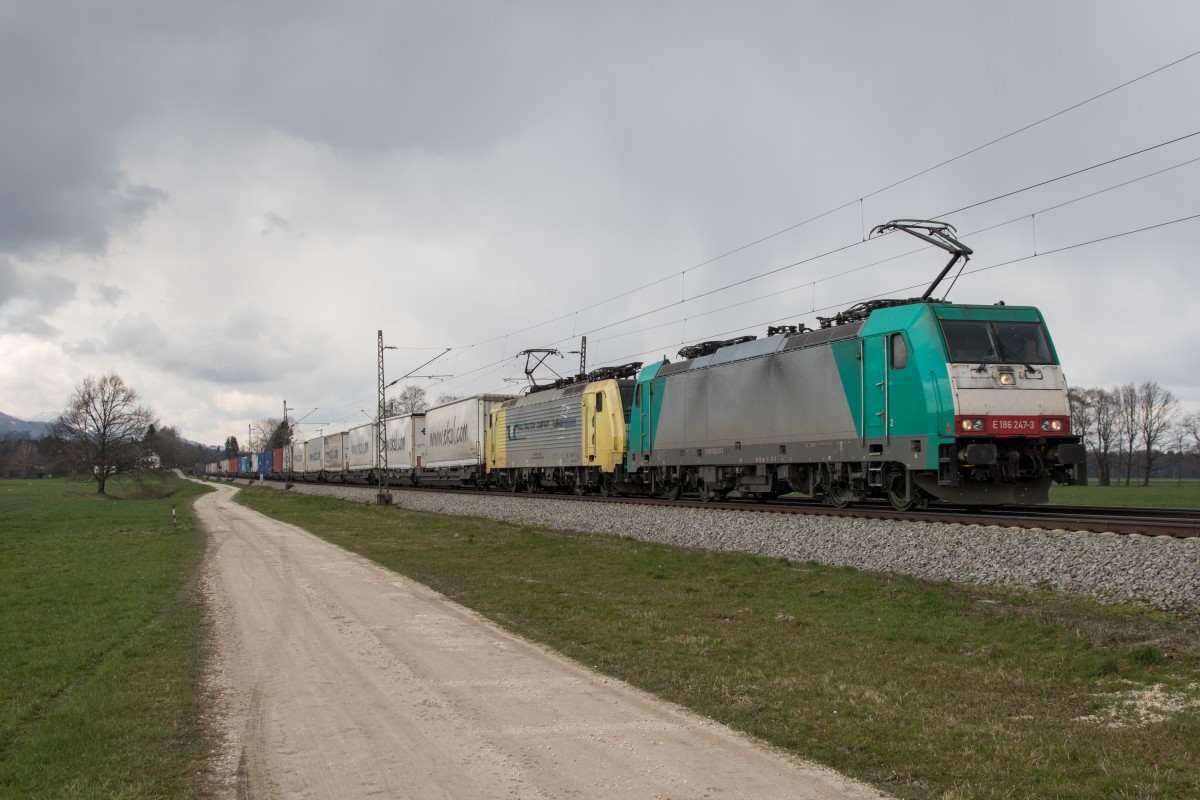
[[14, 426]]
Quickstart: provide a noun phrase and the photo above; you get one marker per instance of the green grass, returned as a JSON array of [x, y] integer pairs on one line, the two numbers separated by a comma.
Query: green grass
[[101, 640], [925, 690], [1159, 494]]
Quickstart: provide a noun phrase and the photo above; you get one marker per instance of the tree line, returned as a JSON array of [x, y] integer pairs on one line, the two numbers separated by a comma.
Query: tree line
[[1132, 430], [103, 432]]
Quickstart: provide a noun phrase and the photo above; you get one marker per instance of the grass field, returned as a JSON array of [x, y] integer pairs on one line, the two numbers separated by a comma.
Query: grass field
[[925, 690], [1159, 494], [100, 641]]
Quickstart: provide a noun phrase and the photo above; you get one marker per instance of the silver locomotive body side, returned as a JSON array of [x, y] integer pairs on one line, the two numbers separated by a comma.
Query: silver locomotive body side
[[543, 429]]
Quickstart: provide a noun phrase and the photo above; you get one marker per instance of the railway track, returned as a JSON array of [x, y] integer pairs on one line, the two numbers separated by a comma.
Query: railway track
[[1144, 521], [1176, 523]]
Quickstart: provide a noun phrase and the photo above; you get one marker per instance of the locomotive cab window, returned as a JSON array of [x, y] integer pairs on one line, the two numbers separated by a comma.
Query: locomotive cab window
[[996, 342], [637, 396], [1022, 342], [898, 351], [599, 401], [626, 399]]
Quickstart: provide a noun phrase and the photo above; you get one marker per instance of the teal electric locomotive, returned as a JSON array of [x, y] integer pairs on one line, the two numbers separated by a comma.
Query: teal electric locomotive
[[911, 400]]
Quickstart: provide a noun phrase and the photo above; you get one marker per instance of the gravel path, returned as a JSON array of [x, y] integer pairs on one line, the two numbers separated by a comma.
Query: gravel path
[[1161, 572], [337, 678]]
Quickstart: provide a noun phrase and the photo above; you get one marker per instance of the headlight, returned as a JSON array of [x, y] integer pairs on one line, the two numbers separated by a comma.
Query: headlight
[[1007, 379], [1053, 425], [972, 425]]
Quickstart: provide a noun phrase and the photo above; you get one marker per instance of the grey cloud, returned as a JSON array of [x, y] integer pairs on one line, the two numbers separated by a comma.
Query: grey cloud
[[229, 355], [75, 79], [28, 296], [83, 347], [27, 323], [664, 90], [110, 295], [439, 77], [620, 140], [68, 94], [274, 222], [136, 334]]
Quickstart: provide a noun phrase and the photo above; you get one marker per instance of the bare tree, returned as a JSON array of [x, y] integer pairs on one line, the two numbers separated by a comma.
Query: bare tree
[[1127, 423], [172, 448], [102, 429], [411, 400], [270, 433], [1083, 423], [1107, 430], [1156, 410], [1190, 425], [21, 460]]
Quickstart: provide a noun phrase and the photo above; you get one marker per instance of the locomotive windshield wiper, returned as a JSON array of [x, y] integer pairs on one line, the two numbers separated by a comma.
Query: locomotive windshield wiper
[[984, 362]]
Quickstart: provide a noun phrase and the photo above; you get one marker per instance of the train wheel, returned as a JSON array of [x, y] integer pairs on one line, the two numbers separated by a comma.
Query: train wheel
[[839, 496], [671, 491], [606, 486], [899, 503]]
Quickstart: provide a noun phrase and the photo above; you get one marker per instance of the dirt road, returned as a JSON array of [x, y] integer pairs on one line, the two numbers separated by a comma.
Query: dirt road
[[337, 678]]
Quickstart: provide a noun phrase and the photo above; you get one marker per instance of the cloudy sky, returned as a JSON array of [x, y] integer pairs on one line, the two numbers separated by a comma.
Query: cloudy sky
[[224, 201]]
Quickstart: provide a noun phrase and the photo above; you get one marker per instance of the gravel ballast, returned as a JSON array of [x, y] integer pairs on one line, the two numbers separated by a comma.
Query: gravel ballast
[[1161, 571]]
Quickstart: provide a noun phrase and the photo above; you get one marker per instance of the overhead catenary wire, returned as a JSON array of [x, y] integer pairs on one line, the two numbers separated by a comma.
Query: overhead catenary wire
[[1049, 181], [904, 254], [901, 289], [849, 203], [504, 361], [843, 248], [1038, 122], [498, 366], [851, 245]]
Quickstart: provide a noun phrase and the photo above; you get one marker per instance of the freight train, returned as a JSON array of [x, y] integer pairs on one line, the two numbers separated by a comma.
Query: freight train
[[908, 401]]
